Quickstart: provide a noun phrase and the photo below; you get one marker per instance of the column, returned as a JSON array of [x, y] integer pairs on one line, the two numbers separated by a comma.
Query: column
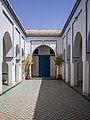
[[63, 71], [67, 73], [86, 81], [0, 77], [74, 74], [68, 77], [11, 73], [18, 72]]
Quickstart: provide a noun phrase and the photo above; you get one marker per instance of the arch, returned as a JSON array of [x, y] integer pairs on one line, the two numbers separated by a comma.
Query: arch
[[17, 50], [69, 52], [7, 52], [7, 43], [23, 52], [43, 45], [43, 59], [78, 56], [78, 45]]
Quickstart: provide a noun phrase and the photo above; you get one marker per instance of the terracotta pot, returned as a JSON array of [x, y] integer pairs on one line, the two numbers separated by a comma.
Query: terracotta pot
[[28, 77], [60, 77]]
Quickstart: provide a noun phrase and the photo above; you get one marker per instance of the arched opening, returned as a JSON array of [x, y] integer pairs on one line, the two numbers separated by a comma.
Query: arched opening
[[17, 52], [44, 65], [7, 53], [78, 60], [23, 54], [68, 62]]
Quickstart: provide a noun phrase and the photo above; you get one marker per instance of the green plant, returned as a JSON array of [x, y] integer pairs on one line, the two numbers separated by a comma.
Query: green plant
[[27, 62], [58, 62]]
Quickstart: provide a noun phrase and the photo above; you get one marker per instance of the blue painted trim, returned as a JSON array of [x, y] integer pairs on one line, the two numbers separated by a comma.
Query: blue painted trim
[[66, 45], [41, 41], [8, 6], [44, 40], [70, 16], [73, 39], [24, 46], [5, 14], [67, 42], [73, 33], [17, 30]]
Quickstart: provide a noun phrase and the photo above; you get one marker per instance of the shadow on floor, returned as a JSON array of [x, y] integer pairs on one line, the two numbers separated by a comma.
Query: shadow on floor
[[57, 101]]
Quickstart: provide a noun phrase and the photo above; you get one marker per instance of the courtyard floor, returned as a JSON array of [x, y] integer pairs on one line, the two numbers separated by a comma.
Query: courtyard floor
[[43, 100]]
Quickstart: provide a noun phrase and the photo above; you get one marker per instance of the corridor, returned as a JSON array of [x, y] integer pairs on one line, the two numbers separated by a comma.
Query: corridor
[[43, 100]]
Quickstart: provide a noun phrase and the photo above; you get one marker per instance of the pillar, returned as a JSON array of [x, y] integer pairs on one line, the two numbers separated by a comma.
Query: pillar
[[74, 73], [0, 77], [68, 77], [18, 72], [11, 73], [86, 78], [67, 72], [63, 71]]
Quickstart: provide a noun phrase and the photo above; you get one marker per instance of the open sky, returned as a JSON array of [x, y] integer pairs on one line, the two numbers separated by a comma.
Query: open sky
[[43, 14]]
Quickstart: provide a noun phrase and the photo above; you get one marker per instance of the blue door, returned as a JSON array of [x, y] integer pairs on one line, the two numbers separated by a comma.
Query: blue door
[[44, 66]]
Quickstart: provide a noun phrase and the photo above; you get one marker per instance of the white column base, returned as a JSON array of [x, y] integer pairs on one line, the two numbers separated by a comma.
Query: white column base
[[68, 77], [63, 71], [74, 74], [86, 81], [67, 73], [18, 72], [11, 74]]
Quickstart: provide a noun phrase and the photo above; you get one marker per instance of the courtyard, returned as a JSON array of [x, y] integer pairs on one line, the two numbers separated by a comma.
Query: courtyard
[[43, 100]]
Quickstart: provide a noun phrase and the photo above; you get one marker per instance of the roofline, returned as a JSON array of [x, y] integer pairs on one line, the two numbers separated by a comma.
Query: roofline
[[70, 16], [11, 10]]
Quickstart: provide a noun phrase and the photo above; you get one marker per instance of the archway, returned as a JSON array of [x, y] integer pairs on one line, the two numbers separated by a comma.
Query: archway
[[78, 64], [17, 52], [44, 66], [7, 53]]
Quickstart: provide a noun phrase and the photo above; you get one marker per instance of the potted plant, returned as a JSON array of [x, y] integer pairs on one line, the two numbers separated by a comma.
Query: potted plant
[[27, 62], [58, 62]]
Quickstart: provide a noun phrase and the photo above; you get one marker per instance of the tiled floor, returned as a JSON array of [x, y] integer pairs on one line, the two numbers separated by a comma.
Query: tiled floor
[[43, 100]]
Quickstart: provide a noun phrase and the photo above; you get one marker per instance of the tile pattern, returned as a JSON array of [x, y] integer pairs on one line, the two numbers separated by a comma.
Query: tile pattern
[[43, 100], [19, 103], [58, 101]]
